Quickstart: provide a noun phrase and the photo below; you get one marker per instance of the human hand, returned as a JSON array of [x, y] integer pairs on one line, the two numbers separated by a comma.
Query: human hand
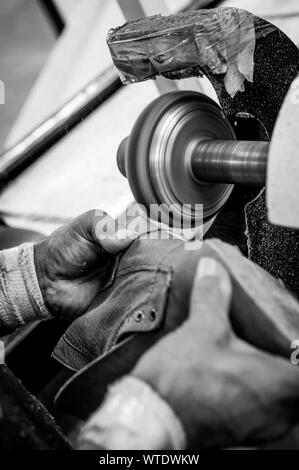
[[73, 263], [225, 391]]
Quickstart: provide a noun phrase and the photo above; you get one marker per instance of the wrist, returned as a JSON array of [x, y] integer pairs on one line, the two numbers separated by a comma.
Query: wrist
[[21, 298]]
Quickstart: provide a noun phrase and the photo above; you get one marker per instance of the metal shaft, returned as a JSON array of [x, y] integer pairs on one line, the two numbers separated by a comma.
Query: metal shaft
[[32, 146], [225, 161]]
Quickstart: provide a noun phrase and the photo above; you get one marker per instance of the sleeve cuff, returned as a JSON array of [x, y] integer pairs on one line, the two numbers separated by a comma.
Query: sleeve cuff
[[21, 300], [133, 417]]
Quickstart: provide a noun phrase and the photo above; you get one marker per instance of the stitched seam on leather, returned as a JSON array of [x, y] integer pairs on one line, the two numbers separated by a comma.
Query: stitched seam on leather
[[65, 364], [76, 347], [111, 342], [168, 254], [137, 269], [112, 277], [114, 337], [132, 269], [145, 299], [116, 275]]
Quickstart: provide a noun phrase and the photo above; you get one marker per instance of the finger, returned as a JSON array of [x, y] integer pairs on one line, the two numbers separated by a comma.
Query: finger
[[211, 299], [264, 313], [98, 227], [273, 384], [111, 234]]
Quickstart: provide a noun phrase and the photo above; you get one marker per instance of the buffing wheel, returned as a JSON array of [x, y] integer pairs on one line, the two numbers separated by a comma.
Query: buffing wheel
[[156, 158]]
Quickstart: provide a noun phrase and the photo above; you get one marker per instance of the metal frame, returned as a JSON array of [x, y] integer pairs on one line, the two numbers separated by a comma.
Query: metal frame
[[53, 14], [25, 152]]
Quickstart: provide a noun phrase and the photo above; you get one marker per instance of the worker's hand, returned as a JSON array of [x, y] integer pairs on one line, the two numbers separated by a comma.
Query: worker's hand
[[73, 263], [225, 392]]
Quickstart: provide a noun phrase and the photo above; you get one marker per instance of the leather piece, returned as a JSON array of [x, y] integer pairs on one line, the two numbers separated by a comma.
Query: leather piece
[[263, 312], [133, 301]]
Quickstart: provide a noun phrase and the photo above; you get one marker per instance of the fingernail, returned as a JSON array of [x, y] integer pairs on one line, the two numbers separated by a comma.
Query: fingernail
[[124, 234], [209, 267]]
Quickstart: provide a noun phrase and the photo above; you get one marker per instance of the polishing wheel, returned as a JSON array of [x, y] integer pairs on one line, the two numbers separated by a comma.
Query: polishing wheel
[[183, 153]]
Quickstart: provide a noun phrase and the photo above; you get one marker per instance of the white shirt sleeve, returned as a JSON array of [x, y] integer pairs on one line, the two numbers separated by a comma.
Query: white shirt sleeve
[[21, 300]]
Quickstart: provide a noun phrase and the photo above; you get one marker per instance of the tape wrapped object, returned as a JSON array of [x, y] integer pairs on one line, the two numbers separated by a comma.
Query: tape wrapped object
[[220, 42]]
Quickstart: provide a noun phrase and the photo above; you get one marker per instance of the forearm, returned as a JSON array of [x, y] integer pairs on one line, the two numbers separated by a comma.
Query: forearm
[[21, 300]]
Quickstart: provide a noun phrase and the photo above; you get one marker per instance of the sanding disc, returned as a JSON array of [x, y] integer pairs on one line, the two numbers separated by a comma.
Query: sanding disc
[[159, 157]]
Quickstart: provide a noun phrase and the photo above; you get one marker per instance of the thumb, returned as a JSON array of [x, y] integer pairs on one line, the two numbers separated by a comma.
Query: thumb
[[111, 234], [211, 299], [101, 229]]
